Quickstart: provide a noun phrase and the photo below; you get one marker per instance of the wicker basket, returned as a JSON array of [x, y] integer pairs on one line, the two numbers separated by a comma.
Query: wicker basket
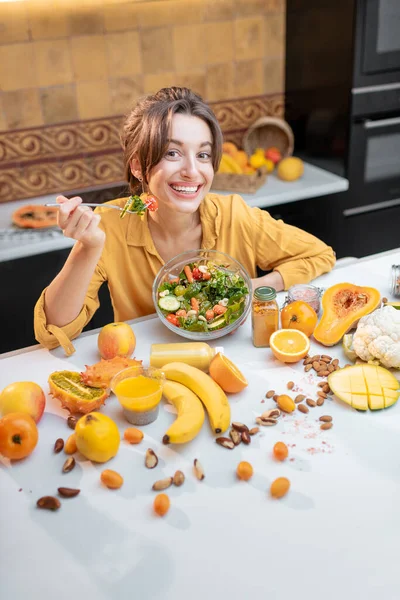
[[246, 184], [267, 132]]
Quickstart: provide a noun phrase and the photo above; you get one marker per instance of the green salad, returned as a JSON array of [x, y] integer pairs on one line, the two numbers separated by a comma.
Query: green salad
[[204, 297]]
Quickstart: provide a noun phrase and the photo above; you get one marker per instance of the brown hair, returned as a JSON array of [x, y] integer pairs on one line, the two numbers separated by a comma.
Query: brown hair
[[147, 129]]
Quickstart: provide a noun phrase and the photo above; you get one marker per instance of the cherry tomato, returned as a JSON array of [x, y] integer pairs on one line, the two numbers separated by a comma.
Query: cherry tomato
[[173, 319], [151, 203], [197, 274], [18, 435], [299, 315]]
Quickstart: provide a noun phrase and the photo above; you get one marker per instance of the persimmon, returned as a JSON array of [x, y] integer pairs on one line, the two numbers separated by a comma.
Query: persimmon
[[299, 315], [18, 435]]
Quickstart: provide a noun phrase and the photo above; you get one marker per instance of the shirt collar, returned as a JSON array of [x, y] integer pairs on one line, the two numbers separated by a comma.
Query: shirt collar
[[138, 233]]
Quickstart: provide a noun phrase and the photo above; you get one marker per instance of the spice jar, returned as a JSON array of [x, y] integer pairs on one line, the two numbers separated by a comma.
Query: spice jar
[[264, 315], [395, 282], [307, 293]]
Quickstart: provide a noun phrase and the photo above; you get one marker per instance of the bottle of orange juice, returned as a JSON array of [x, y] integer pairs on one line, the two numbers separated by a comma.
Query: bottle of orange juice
[[196, 354]]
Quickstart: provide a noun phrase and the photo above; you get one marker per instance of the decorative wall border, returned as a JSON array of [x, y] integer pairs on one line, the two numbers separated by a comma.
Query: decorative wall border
[[87, 154]]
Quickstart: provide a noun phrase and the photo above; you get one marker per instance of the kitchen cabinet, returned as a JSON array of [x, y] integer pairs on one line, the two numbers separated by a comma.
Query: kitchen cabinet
[[22, 281]]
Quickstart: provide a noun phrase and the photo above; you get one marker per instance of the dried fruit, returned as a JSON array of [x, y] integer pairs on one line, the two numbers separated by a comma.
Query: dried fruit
[[70, 445], [286, 403], [178, 479], [274, 413], [162, 484], [246, 439], [198, 470], [59, 445], [49, 503], [326, 418], [133, 435], [244, 471], [280, 487], [266, 422], [151, 459], [72, 421], [281, 451], [326, 426], [111, 479], [239, 426], [68, 465], [66, 492], [161, 504], [235, 436], [225, 442], [303, 408]]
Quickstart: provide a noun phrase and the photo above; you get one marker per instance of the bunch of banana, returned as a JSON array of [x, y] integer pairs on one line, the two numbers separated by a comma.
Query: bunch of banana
[[229, 165], [190, 417], [195, 384]]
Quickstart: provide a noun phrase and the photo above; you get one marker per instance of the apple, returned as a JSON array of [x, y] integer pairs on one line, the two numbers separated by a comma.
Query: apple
[[23, 397], [273, 154], [116, 339]]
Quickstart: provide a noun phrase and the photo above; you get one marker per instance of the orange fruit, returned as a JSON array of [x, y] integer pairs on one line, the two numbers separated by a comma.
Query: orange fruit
[[226, 374], [289, 345]]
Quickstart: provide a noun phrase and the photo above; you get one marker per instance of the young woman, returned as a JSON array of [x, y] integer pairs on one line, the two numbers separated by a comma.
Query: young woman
[[172, 147]]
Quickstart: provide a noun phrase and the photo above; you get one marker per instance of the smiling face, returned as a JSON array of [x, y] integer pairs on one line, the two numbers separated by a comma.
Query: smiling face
[[184, 175]]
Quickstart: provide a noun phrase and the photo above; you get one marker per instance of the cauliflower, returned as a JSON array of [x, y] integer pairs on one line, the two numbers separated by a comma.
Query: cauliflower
[[377, 337]]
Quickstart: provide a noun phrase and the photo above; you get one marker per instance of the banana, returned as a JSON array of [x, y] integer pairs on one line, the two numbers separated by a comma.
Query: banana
[[190, 413], [209, 392], [229, 165]]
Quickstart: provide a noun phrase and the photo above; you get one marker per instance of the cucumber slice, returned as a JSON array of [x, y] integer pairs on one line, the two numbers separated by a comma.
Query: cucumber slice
[[217, 323], [169, 303]]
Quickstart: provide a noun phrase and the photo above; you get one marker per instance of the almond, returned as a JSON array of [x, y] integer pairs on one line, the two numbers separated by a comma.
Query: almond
[[311, 402], [59, 445], [320, 401], [302, 408], [299, 398], [326, 426], [270, 394], [162, 484], [326, 418], [254, 430], [307, 368], [290, 385], [323, 373], [316, 365], [322, 395]]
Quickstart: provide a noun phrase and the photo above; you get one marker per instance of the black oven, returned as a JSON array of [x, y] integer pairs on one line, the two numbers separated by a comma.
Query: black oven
[[374, 164], [377, 42]]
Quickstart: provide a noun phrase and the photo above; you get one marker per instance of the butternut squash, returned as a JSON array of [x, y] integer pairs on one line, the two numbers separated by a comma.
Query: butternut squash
[[343, 305]]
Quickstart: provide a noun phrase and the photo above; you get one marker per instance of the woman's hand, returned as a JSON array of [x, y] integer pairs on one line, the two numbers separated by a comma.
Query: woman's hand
[[79, 222]]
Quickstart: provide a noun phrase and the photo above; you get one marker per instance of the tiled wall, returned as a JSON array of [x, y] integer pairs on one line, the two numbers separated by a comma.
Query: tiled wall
[[68, 61]]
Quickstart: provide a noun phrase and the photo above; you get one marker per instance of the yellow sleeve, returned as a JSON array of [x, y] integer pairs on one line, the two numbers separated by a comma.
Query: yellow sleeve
[[51, 336], [297, 255]]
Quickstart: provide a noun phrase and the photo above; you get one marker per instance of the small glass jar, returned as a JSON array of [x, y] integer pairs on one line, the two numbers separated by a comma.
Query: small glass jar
[[264, 315], [306, 293], [395, 281]]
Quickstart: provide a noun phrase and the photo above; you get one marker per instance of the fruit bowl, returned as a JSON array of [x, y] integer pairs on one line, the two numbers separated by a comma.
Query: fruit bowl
[[211, 287]]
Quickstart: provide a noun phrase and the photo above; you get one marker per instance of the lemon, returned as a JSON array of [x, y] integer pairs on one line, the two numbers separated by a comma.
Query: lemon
[[97, 437], [290, 169], [347, 344]]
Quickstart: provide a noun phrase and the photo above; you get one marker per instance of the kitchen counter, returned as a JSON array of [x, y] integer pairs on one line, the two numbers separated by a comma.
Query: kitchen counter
[[221, 538], [17, 244]]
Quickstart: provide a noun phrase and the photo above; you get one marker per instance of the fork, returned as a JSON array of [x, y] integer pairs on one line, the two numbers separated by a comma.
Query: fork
[[94, 205]]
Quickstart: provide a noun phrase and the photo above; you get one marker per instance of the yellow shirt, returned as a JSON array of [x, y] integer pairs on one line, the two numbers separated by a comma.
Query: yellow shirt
[[130, 261]]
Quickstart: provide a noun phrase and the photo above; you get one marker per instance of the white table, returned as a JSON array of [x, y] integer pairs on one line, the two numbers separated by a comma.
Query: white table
[[334, 536]]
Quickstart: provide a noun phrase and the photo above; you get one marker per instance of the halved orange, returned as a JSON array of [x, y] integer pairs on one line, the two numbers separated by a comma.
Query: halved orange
[[226, 374], [289, 345]]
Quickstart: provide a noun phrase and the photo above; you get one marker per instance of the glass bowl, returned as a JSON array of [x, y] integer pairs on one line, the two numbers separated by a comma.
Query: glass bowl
[[139, 391], [226, 264]]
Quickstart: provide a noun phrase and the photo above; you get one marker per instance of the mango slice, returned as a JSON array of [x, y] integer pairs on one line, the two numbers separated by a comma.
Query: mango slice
[[365, 386]]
